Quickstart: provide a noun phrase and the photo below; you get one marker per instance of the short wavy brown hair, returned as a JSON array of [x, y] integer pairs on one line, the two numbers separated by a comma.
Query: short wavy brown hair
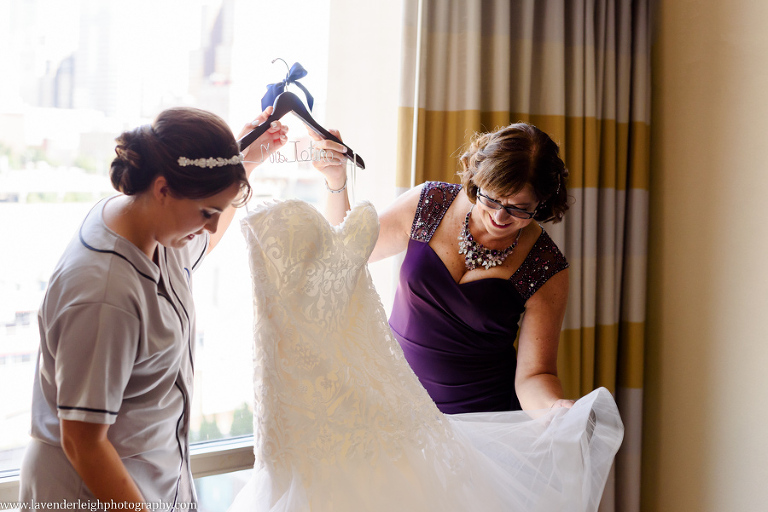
[[508, 159]]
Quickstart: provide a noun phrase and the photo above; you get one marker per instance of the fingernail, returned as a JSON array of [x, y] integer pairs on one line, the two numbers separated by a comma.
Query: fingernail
[[255, 122], [274, 124]]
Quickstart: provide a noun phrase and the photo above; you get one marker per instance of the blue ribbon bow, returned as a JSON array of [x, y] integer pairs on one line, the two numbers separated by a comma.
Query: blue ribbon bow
[[274, 90]]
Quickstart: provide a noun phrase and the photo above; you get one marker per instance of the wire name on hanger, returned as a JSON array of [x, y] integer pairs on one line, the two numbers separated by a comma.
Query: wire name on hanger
[[305, 155]]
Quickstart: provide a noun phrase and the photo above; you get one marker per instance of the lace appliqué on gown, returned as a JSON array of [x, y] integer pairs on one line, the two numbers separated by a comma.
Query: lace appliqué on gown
[[317, 399], [343, 424]]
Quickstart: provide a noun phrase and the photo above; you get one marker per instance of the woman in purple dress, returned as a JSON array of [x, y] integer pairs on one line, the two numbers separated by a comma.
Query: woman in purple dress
[[477, 261]]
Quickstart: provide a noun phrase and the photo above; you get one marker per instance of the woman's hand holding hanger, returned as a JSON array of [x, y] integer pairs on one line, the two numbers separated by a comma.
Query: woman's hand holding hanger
[[329, 158], [269, 142]]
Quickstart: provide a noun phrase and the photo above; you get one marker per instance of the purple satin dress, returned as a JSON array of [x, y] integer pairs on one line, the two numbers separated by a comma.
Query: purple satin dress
[[459, 338]]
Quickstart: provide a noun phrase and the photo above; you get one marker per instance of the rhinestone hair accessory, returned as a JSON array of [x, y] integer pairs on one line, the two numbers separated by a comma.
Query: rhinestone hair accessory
[[475, 254], [211, 162]]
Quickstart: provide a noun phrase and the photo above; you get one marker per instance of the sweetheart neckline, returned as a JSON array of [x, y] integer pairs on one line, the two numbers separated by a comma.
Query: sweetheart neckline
[[269, 206], [484, 279]]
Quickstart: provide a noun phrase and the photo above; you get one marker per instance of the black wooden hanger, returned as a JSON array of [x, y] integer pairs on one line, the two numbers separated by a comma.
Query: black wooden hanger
[[288, 102]]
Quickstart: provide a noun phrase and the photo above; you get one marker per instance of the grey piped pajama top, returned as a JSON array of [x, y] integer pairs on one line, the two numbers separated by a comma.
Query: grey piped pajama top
[[116, 347]]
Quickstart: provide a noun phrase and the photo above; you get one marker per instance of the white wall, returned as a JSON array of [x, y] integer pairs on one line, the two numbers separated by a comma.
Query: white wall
[[364, 72], [706, 401]]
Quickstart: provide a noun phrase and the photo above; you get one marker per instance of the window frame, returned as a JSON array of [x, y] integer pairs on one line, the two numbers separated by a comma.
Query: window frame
[[207, 458]]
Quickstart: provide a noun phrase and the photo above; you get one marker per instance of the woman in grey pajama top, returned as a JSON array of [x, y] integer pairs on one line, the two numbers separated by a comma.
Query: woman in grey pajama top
[[112, 392]]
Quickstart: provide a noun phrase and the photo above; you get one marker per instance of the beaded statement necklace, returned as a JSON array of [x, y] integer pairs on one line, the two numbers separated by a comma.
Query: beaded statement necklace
[[475, 254]]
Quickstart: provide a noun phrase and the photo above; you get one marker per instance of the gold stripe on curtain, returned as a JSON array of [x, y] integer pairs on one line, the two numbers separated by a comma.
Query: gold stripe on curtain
[[596, 151], [580, 71]]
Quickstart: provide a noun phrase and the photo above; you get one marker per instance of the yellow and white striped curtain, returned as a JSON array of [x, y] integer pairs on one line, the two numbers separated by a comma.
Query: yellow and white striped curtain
[[580, 71]]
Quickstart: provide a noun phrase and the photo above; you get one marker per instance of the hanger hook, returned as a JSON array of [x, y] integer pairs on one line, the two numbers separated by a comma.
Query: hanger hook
[[286, 65]]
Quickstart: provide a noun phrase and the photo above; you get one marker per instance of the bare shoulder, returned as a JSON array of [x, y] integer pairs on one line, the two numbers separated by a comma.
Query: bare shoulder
[[401, 211], [395, 224]]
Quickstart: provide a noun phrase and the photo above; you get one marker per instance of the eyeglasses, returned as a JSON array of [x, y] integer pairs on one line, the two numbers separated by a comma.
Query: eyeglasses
[[511, 210]]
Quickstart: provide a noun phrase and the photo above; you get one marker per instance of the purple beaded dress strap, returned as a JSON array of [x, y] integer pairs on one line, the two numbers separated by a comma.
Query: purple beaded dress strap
[[436, 198], [544, 261]]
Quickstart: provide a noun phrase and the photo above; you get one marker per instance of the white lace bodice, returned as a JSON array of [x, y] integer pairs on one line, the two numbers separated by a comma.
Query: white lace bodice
[[330, 380]]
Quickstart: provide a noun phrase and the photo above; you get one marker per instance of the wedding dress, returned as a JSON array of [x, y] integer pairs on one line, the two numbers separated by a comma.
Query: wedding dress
[[342, 424]]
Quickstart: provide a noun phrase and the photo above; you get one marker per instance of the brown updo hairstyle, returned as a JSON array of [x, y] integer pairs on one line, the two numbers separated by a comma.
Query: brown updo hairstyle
[[149, 151], [506, 160]]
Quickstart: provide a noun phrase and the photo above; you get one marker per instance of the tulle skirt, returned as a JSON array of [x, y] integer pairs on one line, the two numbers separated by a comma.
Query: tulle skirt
[[551, 461]]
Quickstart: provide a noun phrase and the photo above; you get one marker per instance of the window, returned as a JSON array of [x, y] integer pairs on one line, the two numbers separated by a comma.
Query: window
[[78, 74]]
